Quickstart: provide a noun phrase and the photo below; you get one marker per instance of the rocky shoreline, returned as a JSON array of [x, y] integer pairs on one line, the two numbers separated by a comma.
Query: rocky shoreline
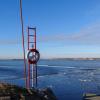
[[13, 92]]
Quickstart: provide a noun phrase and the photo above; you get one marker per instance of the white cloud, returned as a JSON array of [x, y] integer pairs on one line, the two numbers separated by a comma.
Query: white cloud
[[87, 35]]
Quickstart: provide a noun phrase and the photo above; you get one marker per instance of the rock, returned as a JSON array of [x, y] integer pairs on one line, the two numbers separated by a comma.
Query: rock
[[13, 92], [49, 95]]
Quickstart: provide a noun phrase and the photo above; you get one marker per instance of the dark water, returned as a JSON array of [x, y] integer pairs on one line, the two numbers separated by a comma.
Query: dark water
[[69, 79]]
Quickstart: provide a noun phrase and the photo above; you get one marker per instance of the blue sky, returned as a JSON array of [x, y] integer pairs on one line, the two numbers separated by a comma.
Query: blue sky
[[65, 28]]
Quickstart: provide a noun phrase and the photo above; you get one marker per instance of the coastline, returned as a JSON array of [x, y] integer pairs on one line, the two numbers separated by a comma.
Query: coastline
[[14, 92]]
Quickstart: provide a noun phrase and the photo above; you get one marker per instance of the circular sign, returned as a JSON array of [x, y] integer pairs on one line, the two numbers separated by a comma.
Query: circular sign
[[33, 56]]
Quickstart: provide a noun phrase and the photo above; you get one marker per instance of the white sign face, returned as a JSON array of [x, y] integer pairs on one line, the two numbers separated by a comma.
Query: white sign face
[[33, 56]]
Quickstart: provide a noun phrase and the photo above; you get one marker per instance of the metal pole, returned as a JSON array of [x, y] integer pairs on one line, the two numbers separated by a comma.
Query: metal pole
[[35, 39], [28, 38], [23, 42], [36, 74], [28, 75], [32, 76], [35, 64]]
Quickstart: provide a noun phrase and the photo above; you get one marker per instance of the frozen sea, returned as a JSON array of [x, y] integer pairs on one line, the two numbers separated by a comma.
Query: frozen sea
[[69, 79]]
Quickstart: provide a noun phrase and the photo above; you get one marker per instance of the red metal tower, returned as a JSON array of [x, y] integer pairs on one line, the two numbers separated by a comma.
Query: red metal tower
[[33, 56]]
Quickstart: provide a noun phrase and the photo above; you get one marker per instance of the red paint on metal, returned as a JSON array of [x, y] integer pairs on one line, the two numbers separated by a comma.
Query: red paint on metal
[[36, 74], [28, 75], [28, 39], [35, 39], [21, 16]]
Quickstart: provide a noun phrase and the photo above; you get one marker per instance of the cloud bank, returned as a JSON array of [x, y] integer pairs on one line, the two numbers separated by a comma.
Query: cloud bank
[[87, 35]]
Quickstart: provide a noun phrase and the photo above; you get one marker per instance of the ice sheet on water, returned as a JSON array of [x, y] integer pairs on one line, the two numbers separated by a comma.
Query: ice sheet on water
[[69, 79]]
